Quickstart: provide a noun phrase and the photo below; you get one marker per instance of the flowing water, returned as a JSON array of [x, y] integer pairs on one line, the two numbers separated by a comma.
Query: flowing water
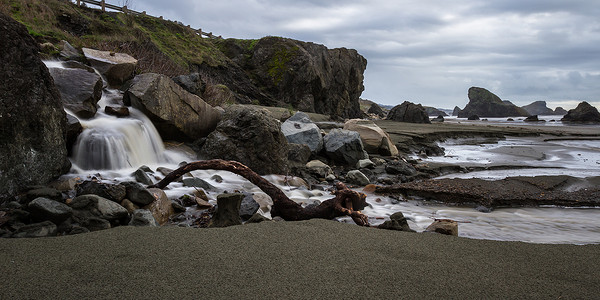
[[112, 148]]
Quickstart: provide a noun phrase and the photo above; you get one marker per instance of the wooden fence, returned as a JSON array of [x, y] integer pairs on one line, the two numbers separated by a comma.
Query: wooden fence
[[103, 5]]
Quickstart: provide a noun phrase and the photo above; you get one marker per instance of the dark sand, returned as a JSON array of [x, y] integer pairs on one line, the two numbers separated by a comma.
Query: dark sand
[[307, 260]]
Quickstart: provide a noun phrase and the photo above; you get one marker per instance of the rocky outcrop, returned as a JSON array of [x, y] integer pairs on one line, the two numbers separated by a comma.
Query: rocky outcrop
[[376, 110], [80, 90], [484, 103], [408, 112], [116, 67], [560, 111], [175, 113], [434, 112], [374, 139], [32, 119], [344, 147], [251, 136], [307, 76], [456, 111], [538, 108], [583, 113], [299, 129]]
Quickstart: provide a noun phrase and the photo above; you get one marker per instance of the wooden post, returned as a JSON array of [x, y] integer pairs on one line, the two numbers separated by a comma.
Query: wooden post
[[124, 9], [144, 13], [78, 3], [103, 5]]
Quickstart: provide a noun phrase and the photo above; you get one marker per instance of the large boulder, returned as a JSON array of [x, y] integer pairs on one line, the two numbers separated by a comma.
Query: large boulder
[[80, 90], [116, 67], [374, 139], [44, 209], [175, 113], [485, 104], [344, 146], [299, 129], [88, 208], [307, 76], [162, 207], [583, 113], [408, 112], [538, 108], [32, 119], [251, 136]]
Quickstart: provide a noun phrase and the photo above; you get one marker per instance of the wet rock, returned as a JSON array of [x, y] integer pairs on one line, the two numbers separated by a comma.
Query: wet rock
[[319, 168], [95, 224], [257, 218], [400, 167], [129, 206], [252, 137], [32, 122], [202, 203], [483, 209], [74, 128], [142, 177], [397, 222], [248, 207], [44, 209], [443, 226], [80, 90], [365, 164], [408, 112], [344, 146], [298, 155], [90, 206], [533, 118], [375, 140], [175, 113], [34, 230], [473, 118], [142, 217], [264, 201], [197, 182], [228, 210], [299, 129], [137, 193], [161, 208], [114, 192], [357, 177], [45, 192], [438, 119], [484, 103], [116, 67], [583, 113], [117, 111]]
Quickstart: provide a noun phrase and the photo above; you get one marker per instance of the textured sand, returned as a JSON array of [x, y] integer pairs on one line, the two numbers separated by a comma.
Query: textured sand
[[307, 260]]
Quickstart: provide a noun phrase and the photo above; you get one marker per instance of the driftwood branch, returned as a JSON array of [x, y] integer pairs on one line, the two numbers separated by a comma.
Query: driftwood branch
[[345, 203]]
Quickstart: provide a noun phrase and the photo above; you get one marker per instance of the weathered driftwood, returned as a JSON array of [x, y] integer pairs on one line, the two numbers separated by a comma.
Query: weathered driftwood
[[345, 203]]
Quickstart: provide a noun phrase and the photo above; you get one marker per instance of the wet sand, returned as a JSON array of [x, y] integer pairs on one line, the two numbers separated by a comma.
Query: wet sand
[[283, 260]]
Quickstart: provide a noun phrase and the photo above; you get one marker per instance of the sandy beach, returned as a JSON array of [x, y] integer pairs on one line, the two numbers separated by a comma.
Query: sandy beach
[[291, 260]]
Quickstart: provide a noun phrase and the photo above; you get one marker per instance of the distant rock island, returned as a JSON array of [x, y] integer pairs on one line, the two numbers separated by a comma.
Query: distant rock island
[[484, 103], [583, 113], [540, 108]]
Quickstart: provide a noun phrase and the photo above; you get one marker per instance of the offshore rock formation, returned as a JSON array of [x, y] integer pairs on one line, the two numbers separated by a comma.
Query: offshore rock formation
[[434, 112], [408, 112], [285, 72], [583, 113], [32, 119], [485, 104], [540, 108]]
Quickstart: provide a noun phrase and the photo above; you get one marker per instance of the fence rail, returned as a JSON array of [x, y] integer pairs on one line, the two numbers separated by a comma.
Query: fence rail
[[103, 5]]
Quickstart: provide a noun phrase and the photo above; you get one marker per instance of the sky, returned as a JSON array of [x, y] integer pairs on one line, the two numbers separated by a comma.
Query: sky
[[429, 51]]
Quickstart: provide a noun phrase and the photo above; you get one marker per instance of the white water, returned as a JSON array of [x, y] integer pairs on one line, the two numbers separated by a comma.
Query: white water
[[112, 148]]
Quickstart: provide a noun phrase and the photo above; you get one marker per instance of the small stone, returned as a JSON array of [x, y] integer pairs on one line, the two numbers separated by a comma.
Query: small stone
[[248, 207], [357, 177], [397, 222], [197, 182], [257, 218], [365, 164], [142, 217], [443, 226], [217, 178]]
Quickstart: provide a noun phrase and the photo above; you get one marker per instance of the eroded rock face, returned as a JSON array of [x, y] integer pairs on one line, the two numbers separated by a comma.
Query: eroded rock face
[[485, 104], [32, 119], [307, 76], [251, 136], [117, 67], [583, 113], [408, 112], [374, 139], [176, 114], [80, 90]]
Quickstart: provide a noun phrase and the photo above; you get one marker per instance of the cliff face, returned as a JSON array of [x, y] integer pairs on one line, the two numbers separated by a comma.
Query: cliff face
[[306, 76], [485, 104]]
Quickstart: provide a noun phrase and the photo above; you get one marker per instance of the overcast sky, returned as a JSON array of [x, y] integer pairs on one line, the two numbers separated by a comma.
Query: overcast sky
[[430, 51]]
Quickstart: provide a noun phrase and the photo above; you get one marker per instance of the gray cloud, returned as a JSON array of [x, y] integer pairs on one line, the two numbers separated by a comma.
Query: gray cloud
[[431, 51]]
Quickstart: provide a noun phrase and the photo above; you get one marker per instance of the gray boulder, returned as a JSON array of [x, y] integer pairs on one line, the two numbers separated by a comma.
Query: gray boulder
[[89, 206], [80, 90], [583, 113], [197, 182], [67, 51], [299, 129], [344, 146], [142, 217], [176, 113], [116, 67], [250, 136], [298, 155], [137, 193], [74, 128], [248, 207], [192, 83], [319, 169], [114, 192], [357, 177], [44, 209], [397, 222], [142, 177], [400, 167], [408, 112], [32, 119], [34, 230]]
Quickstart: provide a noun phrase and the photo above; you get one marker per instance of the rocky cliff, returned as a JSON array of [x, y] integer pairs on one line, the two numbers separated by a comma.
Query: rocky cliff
[[32, 119], [290, 73], [484, 103]]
